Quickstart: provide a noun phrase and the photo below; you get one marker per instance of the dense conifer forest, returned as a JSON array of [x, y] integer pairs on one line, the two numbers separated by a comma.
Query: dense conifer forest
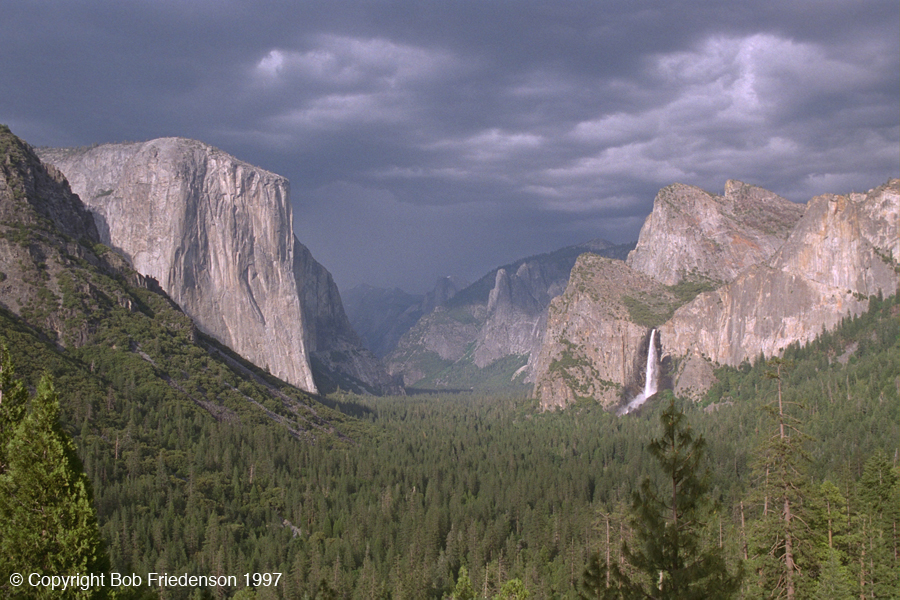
[[471, 496]]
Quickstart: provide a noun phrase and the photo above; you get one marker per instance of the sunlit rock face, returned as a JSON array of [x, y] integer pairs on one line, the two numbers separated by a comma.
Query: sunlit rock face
[[592, 348], [842, 251], [694, 234], [217, 234], [782, 278]]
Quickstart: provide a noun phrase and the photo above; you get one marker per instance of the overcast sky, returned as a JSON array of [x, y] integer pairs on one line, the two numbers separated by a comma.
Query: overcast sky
[[434, 137]]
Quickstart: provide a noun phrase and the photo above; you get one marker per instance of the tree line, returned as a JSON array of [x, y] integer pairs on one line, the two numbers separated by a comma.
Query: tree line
[[782, 483]]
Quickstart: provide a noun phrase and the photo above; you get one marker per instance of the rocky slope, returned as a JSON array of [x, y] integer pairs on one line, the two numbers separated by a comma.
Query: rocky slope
[[842, 250], [43, 229], [491, 328], [217, 234], [592, 347], [692, 233], [116, 345], [338, 356]]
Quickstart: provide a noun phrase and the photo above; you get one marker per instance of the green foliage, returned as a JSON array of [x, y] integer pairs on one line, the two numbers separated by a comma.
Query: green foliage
[[595, 583], [652, 310], [692, 285], [202, 463], [513, 589], [432, 483], [834, 582], [496, 377], [47, 519], [668, 524], [463, 588]]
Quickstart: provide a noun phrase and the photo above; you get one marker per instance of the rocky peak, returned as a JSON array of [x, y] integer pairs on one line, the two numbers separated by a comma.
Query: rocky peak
[[787, 278], [694, 234], [217, 233], [444, 289], [842, 251], [500, 316], [846, 241]]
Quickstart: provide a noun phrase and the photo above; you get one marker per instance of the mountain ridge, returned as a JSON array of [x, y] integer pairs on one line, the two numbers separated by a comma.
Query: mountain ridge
[[217, 233], [841, 251], [111, 336], [495, 323]]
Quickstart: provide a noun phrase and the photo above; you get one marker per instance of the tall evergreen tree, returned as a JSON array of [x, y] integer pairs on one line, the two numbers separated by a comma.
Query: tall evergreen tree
[[47, 519], [781, 471], [669, 556], [463, 589], [874, 540]]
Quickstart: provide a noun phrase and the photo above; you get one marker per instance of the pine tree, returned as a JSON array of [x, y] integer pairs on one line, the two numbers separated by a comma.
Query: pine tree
[[47, 519], [834, 579], [874, 538], [513, 589], [669, 555], [463, 589], [781, 470]]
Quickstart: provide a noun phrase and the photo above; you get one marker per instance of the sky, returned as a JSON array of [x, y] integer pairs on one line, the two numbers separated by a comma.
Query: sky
[[425, 138]]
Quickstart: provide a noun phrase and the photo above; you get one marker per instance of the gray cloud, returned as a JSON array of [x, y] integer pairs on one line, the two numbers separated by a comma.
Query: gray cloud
[[423, 139]]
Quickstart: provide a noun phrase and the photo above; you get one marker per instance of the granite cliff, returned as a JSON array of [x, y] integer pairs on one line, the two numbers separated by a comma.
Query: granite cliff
[[694, 234], [592, 348], [747, 277], [842, 251], [113, 341], [217, 234], [493, 328]]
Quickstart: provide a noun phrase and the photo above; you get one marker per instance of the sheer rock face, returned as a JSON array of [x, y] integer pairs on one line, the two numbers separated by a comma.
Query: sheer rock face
[[694, 233], [214, 231], [592, 349], [331, 340], [217, 234], [842, 251]]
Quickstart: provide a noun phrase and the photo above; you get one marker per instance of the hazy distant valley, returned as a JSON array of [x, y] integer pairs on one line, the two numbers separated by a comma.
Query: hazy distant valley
[[235, 412]]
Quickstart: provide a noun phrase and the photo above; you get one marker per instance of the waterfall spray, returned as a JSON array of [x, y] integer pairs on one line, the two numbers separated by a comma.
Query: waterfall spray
[[651, 377]]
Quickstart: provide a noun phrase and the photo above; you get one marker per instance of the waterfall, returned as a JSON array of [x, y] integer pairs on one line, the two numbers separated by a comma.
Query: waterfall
[[651, 378]]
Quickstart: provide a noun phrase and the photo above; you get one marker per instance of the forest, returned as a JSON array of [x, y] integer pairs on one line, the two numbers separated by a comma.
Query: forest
[[475, 496]]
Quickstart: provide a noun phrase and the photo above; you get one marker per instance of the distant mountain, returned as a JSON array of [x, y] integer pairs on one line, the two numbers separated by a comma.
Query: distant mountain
[[217, 233], [486, 334], [381, 316], [725, 279]]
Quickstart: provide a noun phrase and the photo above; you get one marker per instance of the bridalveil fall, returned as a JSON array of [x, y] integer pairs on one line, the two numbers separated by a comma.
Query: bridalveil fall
[[651, 378]]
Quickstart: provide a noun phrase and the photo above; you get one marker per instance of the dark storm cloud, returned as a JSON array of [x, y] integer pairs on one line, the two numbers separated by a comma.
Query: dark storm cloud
[[428, 138]]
